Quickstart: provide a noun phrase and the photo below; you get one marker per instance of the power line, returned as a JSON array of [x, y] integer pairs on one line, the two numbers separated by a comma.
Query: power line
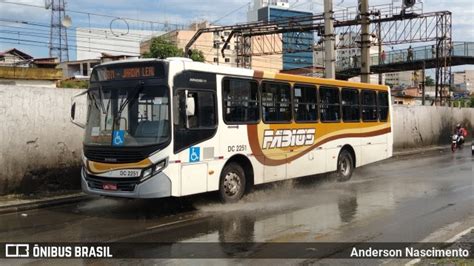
[[44, 36], [81, 35], [81, 48], [320, 4], [97, 14], [72, 28], [230, 13]]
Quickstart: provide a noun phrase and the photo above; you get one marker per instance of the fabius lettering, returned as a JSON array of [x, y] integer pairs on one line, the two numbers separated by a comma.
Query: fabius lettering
[[282, 138]]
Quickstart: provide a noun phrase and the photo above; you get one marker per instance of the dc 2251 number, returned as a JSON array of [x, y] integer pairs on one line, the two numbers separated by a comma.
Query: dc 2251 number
[[236, 148]]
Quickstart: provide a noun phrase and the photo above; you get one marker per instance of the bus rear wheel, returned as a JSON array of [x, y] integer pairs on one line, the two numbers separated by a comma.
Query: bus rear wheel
[[345, 166], [232, 183]]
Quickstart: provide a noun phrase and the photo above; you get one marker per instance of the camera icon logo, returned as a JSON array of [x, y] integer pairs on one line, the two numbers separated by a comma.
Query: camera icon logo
[[17, 250]]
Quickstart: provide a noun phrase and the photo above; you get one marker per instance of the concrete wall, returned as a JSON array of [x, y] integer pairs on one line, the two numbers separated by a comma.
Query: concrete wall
[[40, 148], [30, 73], [416, 126]]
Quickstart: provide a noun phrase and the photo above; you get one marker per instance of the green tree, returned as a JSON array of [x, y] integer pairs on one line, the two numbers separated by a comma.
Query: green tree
[[197, 55], [162, 48], [429, 81]]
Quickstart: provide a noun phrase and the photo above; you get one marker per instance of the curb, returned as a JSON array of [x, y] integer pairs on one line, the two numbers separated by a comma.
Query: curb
[[44, 203], [420, 150]]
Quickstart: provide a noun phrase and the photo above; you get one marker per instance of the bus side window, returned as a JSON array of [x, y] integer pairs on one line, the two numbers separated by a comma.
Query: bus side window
[[276, 102], [383, 105], [350, 105], [204, 116], [305, 103], [202, 125], [369, 105], [240, 101], [329, 104]]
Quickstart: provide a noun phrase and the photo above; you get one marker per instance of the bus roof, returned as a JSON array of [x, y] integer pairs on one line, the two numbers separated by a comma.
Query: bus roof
[[226, 70]]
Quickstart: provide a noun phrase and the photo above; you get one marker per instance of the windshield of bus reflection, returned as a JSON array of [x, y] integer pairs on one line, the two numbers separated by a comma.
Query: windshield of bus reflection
[[135, 116]]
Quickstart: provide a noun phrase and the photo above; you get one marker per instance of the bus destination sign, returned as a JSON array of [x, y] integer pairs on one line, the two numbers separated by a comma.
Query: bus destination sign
[[128, 73]]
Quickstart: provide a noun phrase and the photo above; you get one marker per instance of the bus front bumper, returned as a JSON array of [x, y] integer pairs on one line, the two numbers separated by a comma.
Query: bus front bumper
[[157, 186]]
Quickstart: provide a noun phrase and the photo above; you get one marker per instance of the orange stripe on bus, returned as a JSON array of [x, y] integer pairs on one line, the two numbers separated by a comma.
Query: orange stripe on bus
[[252, 131], [97, 167]]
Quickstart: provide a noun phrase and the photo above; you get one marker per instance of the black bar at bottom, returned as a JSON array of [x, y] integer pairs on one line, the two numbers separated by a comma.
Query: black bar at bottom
[[236, 250]]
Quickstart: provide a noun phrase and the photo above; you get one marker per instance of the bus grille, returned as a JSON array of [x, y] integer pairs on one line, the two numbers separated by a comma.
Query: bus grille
[[111, 155], [123, 184]]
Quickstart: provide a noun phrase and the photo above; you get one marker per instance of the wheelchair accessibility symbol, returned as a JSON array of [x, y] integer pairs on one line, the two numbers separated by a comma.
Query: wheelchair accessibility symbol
[[194, 154], [118, 137]]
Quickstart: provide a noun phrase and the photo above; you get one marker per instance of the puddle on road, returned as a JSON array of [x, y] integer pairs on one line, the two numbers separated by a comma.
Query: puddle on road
[[289, 212], [310, 209]]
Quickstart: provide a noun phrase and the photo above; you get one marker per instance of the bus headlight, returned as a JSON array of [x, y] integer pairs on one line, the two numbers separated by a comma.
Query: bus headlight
[[154, 169], [147, 173]]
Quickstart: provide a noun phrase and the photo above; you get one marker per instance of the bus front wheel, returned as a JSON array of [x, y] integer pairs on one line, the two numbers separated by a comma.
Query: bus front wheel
[[345, 166], [232, 183]]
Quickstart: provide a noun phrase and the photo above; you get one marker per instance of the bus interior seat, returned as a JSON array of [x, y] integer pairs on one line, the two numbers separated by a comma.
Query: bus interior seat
[[303, 113]]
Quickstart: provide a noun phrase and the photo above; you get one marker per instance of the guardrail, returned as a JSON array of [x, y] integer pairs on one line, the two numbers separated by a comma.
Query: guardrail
[[459, 49]]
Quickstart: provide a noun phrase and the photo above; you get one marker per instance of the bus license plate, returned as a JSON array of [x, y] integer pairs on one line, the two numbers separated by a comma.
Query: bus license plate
[[129, 173], [108, 186]]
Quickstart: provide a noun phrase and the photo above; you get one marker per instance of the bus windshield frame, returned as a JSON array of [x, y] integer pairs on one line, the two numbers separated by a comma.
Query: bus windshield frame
[[128, 112]]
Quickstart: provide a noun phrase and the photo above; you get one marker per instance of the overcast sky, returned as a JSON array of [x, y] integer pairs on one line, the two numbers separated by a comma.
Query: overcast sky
[[186, 11]]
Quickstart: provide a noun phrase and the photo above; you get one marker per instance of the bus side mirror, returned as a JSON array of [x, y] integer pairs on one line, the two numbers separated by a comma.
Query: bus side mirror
[[73, 110]]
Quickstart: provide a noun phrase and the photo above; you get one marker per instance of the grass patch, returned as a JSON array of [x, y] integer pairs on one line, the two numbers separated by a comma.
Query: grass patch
[[73, 84]]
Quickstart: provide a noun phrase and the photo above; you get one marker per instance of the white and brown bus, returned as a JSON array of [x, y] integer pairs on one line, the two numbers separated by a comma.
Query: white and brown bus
[[170, 128]]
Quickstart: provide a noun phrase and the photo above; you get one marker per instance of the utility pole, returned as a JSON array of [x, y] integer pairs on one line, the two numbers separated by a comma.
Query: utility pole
[[58, 45], [329, 61], [379, 33], [423, 83], [365, 42]]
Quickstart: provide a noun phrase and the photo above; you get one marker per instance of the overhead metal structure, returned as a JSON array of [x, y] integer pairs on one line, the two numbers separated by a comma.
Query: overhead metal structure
[[394, 26]]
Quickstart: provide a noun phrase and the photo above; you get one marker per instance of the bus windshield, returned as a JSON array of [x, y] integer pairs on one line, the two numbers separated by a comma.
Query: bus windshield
[[128, 116]]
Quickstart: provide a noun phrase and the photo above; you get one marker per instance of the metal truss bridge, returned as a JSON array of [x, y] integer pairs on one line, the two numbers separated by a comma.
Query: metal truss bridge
[[461, 53]]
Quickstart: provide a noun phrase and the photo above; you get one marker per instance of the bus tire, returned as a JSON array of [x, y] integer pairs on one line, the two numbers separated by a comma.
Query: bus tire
[[232, 183], [345, 166]]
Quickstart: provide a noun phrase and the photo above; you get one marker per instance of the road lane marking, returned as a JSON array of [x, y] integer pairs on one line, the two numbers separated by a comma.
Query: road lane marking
[[170, 223], [451, 240]]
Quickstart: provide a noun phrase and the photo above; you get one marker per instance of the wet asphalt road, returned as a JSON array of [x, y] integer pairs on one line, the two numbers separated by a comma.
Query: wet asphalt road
[[402, 199]]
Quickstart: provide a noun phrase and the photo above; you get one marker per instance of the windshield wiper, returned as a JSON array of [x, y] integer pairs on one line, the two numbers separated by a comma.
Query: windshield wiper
[[129, 98], [93, 98], [98, 103]]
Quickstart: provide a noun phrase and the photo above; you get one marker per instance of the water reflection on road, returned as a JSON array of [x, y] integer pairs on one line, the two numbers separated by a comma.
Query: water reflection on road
[[391, 200]]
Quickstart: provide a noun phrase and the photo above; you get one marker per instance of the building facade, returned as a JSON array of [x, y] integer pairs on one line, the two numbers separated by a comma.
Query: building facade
[[92, 42], [297, 47], [252, 14], [209, 43], [404, 78], [19, 68], [463, 82]]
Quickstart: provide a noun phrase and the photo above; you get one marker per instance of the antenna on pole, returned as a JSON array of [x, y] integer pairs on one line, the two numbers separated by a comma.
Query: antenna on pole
[[58, 45]]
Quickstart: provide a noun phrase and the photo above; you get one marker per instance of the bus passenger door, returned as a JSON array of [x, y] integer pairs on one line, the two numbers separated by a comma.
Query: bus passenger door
[[195, 124], [193, 178]]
